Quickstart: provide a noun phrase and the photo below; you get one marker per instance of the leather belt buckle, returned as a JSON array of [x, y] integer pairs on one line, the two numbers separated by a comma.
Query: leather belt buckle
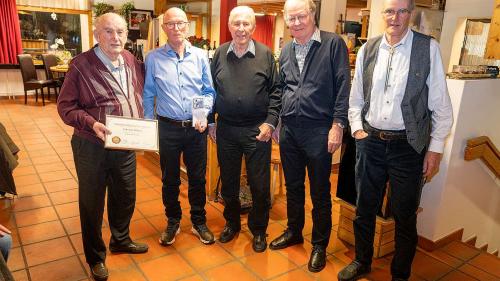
[[384, 136], [185, 123]]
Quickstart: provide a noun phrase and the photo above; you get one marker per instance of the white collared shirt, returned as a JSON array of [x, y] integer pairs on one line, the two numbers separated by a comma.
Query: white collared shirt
[[389, 86]]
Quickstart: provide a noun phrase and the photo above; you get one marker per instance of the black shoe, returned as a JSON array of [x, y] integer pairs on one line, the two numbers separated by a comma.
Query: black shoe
[[131, 248], [399, 279], [227, 234], [202, 231], [317, 261], [287, 239], [259, 243], [353, 271], [99, 272], [167, 237]]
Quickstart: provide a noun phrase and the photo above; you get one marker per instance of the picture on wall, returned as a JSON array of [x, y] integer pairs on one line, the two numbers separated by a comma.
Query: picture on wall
[[137, 17]]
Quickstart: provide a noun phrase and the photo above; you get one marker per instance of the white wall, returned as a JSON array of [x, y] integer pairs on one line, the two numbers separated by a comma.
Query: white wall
[[456, 9], [352, 14], [215, 29], [279, 30], [330, 14], [465, 194]]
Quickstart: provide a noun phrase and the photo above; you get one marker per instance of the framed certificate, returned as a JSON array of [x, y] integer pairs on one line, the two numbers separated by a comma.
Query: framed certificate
[[131, 134]]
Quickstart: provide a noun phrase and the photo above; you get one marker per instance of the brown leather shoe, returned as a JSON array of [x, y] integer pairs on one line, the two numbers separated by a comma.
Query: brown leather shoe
[[99, 272]]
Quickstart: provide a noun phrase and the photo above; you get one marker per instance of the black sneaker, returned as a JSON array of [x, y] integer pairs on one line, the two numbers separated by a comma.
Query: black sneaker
[[202, 231], [168, 236]]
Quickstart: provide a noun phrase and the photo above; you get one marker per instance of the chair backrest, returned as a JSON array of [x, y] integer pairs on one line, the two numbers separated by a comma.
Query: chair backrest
[[49, 60], [27, 67]]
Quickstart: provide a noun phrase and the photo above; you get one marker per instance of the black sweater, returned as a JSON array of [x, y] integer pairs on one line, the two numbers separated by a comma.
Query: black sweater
[[320, 94], [247, 87]]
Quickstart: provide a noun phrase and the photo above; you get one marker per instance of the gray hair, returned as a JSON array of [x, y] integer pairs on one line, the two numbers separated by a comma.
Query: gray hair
[[242, 10], [311, 6], [411, 4], [100, 19]]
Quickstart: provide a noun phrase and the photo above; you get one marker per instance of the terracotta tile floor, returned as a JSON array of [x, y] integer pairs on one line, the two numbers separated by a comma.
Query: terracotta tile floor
[[48, 246]]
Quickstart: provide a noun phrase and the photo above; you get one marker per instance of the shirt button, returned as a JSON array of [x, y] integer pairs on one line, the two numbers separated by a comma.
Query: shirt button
[[387, 102], [182, 86], [385, 118], [180, 73]]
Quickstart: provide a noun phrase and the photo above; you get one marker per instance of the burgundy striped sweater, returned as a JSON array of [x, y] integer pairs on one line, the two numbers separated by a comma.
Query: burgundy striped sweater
[[89, 92]]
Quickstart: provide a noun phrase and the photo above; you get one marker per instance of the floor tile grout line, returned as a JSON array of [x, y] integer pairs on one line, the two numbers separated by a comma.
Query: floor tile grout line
[[52, 204]]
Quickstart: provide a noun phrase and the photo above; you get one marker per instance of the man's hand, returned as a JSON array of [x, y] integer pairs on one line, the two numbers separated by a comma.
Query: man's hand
[[212, 132], [3, 230], [335, 138], [431, 164], [360, 134], [265, 132], [200, 126], [101, 130]]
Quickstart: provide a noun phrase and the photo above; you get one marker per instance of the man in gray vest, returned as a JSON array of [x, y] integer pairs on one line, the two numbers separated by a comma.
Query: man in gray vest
[[400, 114]]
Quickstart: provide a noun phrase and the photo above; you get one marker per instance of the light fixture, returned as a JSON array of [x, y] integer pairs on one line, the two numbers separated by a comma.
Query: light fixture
[[53, 16]]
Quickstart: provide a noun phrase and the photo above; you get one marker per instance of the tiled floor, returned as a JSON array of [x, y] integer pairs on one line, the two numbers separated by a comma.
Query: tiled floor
[[48, 246]]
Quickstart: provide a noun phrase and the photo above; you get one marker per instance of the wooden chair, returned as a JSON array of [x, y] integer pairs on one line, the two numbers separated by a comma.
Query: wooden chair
[[50, 60], [30, 79]]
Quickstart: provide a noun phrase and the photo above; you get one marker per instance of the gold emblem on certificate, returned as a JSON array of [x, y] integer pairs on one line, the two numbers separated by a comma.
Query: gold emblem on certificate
[[131, 133]]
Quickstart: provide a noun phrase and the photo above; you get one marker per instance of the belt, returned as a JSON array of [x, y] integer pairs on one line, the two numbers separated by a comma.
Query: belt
[[386, 135], [177, 123]]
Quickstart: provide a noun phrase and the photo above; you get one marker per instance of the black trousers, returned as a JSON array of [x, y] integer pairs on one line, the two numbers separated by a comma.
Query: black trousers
[[96, 168], [302, 148], [232, 143], [376, 162], [175, 140]]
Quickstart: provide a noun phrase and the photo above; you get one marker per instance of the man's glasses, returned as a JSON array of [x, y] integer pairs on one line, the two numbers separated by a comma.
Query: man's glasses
[[391, 12], [301, 18], [172, 25]]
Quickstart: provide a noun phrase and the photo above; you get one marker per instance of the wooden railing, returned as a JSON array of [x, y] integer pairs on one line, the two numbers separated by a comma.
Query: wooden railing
[[482, 147]]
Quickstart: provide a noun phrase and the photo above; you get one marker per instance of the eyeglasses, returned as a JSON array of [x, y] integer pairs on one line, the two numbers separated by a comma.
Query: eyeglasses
[[391, 12], [301, 18], [172, 25]]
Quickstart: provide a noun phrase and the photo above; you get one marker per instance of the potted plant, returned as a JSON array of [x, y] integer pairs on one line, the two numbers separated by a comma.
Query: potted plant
[[102, 8], [126, 9]]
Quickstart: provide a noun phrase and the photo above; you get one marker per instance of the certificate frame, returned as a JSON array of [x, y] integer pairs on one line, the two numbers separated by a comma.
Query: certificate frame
[[131, 134]]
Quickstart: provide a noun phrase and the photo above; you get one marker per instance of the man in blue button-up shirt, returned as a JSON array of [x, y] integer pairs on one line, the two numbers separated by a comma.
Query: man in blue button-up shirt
[[175, 74]]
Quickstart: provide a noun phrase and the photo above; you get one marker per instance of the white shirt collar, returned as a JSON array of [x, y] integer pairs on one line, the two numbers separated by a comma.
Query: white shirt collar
[[403, 41]]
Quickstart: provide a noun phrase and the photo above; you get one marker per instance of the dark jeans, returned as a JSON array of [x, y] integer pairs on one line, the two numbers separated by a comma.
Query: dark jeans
[[97, 168], [232, 144], [302, 148], [193, 146], [376, 162]]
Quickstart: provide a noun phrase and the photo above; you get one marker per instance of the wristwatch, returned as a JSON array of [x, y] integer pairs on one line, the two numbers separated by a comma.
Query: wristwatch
[[340, 125]]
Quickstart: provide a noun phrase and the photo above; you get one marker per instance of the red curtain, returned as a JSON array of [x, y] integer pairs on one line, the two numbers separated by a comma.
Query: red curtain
[[10, 33], [264, 30]]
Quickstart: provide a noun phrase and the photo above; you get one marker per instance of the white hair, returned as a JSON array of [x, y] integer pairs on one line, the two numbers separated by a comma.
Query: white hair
[[100, 19], [311, 6], [242, 10]]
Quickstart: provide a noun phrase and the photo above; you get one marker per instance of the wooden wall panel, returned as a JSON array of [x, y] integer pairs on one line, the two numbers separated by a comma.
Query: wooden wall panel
[[493, 44]]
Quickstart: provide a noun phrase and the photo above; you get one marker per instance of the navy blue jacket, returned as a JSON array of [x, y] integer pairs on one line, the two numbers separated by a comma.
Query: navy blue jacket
[[319, 95]]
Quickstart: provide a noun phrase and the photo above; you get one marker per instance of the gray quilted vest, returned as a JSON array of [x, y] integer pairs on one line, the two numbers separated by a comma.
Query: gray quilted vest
[[416, 115]]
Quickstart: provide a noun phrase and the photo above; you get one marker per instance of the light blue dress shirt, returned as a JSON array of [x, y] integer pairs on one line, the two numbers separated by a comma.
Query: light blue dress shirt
[[175, 82]]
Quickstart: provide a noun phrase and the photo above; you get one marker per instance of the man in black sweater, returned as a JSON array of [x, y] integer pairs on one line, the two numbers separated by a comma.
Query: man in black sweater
[[247, 104], [315, 78]]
